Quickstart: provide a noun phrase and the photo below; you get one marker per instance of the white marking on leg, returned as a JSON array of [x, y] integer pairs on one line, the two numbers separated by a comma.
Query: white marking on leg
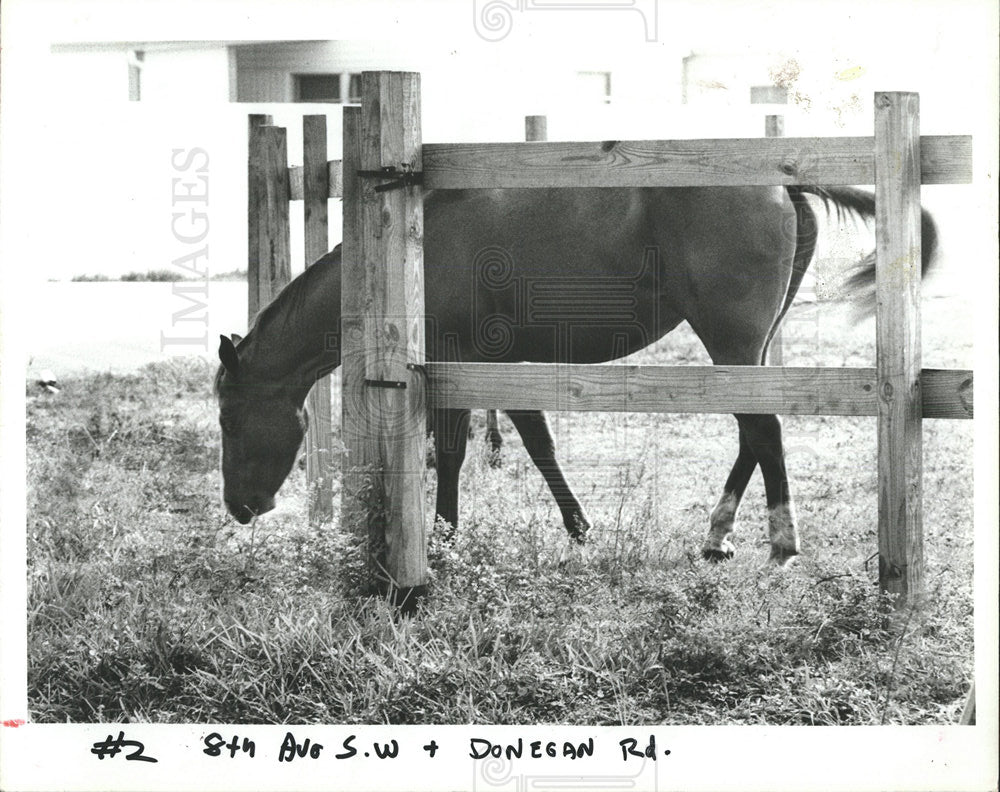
[[574, 554], [784, 533], [722, 522]]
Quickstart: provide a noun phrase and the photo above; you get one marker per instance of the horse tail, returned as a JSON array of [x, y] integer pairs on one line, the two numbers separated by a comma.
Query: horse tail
[[861, 203], [805, 246]]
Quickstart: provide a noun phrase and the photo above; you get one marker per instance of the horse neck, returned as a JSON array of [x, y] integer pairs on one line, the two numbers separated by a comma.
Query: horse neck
[[296, 339]]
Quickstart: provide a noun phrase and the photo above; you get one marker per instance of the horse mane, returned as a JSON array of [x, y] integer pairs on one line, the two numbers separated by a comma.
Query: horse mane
[[286, 306], [280, 314], [218, 379]]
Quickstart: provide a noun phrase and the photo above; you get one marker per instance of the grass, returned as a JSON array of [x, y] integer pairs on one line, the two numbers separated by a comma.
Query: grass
[[158, 276], [147, 603]]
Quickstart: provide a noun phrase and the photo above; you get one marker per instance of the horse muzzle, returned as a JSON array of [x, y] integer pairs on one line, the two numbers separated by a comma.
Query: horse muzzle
[[254, 507]]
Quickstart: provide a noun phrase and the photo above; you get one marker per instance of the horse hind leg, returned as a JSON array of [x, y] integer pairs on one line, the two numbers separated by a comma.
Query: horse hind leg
[[764, 431], [722, 524], [764, 435], [760, 444]]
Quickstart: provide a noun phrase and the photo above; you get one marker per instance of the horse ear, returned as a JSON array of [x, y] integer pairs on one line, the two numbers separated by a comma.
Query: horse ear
[[227, 354], [236, 337]]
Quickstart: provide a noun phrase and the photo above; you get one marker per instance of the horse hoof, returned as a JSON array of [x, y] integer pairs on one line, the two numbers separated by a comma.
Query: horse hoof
[[574, 554], [782, 556], [718, 554], [578, 528]]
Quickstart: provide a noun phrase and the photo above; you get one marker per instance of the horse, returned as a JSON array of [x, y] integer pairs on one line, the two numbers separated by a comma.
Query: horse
[[582, 275]]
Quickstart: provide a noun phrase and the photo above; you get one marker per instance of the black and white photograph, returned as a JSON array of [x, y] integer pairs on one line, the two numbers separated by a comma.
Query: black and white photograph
[[499, 394]]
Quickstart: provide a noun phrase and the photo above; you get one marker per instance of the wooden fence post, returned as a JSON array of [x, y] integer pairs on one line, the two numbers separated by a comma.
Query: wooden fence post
[[774, 126], [268, 246], [897, 318], [315, 195], [254, 120], [536, 128], [355, 485], [382, 335]]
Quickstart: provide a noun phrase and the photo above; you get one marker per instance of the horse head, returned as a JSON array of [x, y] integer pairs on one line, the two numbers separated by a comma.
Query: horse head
[[263, 424]]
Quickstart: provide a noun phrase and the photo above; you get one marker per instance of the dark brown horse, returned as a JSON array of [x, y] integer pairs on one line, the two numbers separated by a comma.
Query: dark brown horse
[[574, 276]]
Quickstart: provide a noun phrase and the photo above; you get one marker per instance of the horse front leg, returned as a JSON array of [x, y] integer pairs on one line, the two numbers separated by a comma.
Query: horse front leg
[[533, 427], [451, 433]]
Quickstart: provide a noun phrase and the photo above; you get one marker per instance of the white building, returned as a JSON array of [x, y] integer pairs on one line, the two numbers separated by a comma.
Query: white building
[[134, 103]]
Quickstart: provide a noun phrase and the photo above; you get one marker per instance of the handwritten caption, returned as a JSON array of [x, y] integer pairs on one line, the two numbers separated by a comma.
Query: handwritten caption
[[292, 748]]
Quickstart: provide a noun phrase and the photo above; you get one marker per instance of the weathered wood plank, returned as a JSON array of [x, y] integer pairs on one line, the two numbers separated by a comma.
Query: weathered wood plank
[[383, 328], [316, 188], [681, 163], [357, 484], [536, 128], [296, 189], [254, 120], [947, 393], [683, 389], [334, 180], [945, 159], [269, 247], [897, 357]]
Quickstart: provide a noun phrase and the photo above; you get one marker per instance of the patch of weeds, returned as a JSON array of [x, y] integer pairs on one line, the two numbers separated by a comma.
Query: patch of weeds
[[146, 602]]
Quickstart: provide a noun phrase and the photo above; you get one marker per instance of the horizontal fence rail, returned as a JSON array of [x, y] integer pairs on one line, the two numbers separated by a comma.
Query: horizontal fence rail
[[683, 163], [334, 176], [944, 159], [947, 393]]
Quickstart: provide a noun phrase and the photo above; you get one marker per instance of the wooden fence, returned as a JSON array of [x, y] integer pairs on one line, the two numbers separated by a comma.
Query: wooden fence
[[382, 338], [271, 185]]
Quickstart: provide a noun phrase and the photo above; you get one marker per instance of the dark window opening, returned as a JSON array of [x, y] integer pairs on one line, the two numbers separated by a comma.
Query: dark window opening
[[317, 88], [336, 88]]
